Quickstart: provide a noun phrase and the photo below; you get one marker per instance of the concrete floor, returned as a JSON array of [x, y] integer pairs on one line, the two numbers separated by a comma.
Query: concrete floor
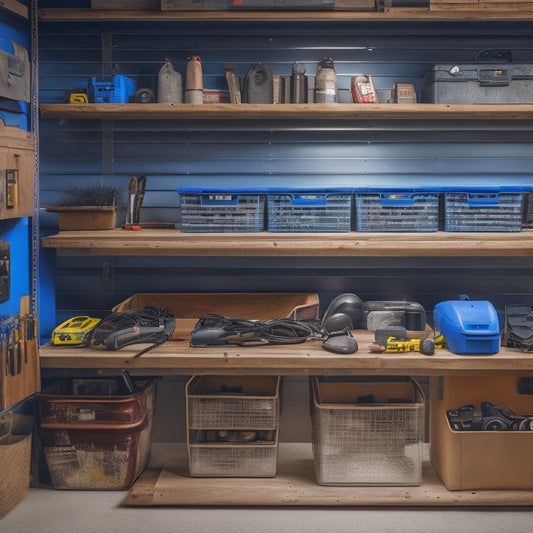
[[51, 511], [55, 511]]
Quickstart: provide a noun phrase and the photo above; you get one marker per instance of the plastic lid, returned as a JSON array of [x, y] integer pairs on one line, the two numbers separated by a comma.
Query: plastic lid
[[327, 62], [298, 68]]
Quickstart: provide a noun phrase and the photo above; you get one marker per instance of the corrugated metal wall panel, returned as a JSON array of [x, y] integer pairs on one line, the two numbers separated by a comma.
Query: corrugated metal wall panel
[[212, 153]]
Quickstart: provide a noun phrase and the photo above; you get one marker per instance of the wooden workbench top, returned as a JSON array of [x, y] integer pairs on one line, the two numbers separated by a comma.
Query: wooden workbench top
[[309, 358]]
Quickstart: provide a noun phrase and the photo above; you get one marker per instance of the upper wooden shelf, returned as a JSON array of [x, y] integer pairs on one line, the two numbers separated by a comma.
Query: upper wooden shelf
[[397, 14], [354, 244], [290, 111], [309, 358]]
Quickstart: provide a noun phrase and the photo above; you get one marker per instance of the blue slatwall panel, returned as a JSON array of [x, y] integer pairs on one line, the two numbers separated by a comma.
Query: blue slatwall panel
[[210, 153]]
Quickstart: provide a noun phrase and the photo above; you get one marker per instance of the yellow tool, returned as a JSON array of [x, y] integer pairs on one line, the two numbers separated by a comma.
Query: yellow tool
[[78, 98], [402, 345], [73, 330]]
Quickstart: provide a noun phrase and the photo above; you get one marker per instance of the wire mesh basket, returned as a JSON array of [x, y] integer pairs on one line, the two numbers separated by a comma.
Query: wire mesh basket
[[360, 443]]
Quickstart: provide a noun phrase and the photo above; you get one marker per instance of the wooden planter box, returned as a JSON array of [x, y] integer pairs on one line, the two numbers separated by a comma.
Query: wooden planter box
[[88, 217]]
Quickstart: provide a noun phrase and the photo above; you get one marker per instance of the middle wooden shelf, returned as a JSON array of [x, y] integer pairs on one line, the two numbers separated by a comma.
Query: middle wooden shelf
[[309, 358], [171, 242]]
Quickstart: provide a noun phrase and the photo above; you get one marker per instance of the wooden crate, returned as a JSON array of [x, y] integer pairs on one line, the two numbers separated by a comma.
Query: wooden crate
[[84, 217], [189, 307], [17, 166]]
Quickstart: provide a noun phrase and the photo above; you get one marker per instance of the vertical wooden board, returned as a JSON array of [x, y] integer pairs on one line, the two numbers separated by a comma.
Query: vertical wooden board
[[14, 388], [15, 7]]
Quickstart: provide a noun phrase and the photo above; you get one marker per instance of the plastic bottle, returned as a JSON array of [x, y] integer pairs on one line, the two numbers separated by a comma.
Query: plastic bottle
[[194, 85], [169, 87], [326, 82], [298, 84]]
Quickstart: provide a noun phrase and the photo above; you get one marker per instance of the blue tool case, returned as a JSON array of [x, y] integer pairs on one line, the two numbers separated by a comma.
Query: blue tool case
[[222, 210], [313, 210], [482, 210], [397, 211], [111, 89]]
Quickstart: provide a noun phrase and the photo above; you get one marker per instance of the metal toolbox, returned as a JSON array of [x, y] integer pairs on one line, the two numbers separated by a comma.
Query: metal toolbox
[[478, 83]]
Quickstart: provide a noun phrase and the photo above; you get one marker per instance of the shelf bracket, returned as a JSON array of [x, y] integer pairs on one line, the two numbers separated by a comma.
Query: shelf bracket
[[108, 276], [106, 40], [108, 147]]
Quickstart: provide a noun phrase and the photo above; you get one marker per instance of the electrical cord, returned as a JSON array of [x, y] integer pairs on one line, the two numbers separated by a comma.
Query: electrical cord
[[213, 329], [144, 325]]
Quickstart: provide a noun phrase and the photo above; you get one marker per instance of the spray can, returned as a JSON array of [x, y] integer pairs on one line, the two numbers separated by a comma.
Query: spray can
[[169, 88], [194, 85], [326, 82], [298, 84]]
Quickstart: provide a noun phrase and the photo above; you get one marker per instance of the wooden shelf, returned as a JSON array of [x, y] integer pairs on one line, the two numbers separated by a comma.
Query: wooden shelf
[[170, 484], [291, 111], [167, 242], [177, 357], [397, 14]]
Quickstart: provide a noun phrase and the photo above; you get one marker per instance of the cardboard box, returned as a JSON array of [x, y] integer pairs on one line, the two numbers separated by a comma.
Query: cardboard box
[[189, 307], [475, 460]]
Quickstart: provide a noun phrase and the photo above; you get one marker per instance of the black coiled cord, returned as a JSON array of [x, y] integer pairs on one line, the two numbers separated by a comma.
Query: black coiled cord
[[254, 332]]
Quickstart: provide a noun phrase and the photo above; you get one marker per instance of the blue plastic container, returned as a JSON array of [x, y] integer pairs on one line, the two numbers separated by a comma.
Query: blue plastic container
[[484, 210], [222, 210], [309, 210], [470, 327], [397, 211], [111, 89]]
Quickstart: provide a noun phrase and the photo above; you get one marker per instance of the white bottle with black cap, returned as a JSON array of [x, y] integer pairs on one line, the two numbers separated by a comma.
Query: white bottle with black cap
[[194, 85]]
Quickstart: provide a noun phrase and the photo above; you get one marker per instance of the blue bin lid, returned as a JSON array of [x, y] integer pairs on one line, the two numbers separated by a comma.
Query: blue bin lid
[[466, 317], [221, 190]]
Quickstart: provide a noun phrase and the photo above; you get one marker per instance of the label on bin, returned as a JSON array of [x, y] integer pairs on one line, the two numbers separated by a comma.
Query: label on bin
[[61, 457], [86, 415]]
